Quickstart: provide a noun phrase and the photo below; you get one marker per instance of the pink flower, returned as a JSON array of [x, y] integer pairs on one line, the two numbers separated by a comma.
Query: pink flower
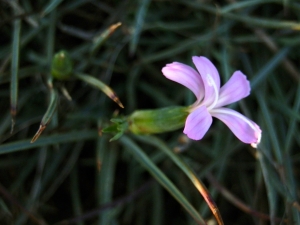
[[211, 99]]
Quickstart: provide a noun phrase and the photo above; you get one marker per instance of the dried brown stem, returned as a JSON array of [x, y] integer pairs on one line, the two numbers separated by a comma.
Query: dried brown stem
[[118, 202], [15, 202], [38, 133], [289, 66], [238, 203]]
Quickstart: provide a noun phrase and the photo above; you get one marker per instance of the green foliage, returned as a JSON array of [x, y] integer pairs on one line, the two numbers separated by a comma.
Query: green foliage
[[73, 174], [118, 128]]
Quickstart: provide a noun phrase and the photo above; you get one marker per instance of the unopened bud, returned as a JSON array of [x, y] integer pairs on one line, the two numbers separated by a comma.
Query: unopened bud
[[61, 67]]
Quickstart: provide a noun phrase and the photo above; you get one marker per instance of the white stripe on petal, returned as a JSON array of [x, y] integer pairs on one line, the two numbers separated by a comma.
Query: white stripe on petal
[[214, 98], [210, 78]]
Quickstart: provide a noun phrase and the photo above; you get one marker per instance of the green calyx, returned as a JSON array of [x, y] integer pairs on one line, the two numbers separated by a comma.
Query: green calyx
[[158, 120], [62, 66], [149, 121]]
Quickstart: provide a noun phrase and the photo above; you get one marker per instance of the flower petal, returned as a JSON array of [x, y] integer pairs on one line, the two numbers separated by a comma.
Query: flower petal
[[236, 88], [197, 123], [211, 80], [243, 128], [185, 75]]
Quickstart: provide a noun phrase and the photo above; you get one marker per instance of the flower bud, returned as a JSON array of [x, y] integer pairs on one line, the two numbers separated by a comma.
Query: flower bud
[[61, 67], [158, 120]]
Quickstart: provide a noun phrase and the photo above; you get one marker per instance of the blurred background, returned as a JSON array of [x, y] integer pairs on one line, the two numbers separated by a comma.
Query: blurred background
[[74, 175]]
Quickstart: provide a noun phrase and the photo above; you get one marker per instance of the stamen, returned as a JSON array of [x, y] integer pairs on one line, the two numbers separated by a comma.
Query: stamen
[[212, 83]]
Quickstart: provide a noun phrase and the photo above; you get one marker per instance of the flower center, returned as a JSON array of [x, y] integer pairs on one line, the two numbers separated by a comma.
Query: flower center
[[207, 99]]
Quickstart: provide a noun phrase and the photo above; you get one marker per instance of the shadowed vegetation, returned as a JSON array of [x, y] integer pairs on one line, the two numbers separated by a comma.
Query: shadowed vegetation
[[73, 174]]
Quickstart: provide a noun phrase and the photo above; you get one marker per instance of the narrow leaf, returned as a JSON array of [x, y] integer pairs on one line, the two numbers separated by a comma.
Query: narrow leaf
[[72, 136], [48, 115], [147, 163], [188, 171], [100, 85], [100, 39], [249, 20], [14, 70], [139, 22], [51, 6], [269, 67]]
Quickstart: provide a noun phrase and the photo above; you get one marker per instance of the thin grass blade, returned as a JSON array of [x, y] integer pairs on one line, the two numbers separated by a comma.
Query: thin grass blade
[[72, 136], [292, 123], [158, 206], [48, 115], [139, 22], [101, 86], [19, 10], [107, 158], [263, 103], [268, 68], [271, 192], [146, 162], [75, 194], [14, 83], [248, 20], [99, 40], [64, 172], [51, 6], [50, 45], [186, 44], [188, 171]]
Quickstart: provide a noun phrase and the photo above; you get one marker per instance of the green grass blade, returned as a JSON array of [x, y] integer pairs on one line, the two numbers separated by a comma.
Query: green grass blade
[[99, 40], [36, 186], [72, 136], [146, 162], [75, 194], [285, 110], [138, 26], [188, 171], [48, 115], [271, 131], [55, 160], [248, 20], [64, 172], [158, 206], [268, 68], [50, 45], [244, 4], [292, 187], [4, 209], [271, 192], [292, 123], [50, 7], [199, 40], [101, 86], [106, 159], [19, 10], [14, 83], [26, 172]]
